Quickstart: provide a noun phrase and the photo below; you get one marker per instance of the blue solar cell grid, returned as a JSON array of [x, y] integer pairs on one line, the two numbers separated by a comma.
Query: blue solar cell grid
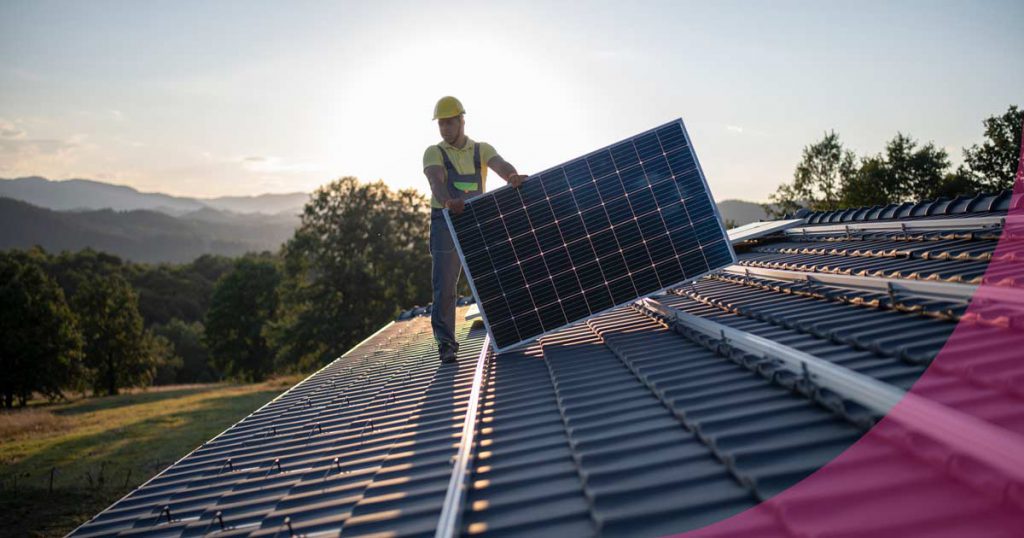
[[599, 231]]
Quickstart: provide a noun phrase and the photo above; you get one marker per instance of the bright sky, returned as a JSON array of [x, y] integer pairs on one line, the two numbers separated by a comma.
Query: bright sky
[[234, 98]]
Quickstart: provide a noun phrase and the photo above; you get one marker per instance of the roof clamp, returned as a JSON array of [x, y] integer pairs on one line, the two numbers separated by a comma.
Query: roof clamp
[[892, 294], [808, 378], [726, 346], [166, 512], [288, 523], [219, 516]]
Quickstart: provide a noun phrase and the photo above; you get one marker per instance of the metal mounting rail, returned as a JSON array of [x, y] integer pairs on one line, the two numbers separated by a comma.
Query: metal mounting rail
[[761, 229], [947, 291], [923, 225], [997, 447], [455, 497]]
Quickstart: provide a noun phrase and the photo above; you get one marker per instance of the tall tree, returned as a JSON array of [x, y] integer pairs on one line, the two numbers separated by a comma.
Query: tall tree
[[904, 172], [360, 254], [994, 162], [116, 350], [819, 177], [243, 303], [188, 343], [40, 347]]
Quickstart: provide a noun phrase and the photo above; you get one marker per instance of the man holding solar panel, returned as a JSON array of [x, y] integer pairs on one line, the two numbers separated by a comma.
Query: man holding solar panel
[[456, 169]]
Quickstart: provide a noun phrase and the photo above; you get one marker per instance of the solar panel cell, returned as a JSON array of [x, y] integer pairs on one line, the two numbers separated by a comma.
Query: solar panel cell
[[590, 275], [575, 307], [516, 223], [624, 155], [525, 246], [554, 182], [558, 260], [549, 238], [646, 281], [598, 299], [642, 202], [587, 196], [610, 189], [600, 163], [528, 323], [633, 179], [566, 284], [619, 223], [540, 214]]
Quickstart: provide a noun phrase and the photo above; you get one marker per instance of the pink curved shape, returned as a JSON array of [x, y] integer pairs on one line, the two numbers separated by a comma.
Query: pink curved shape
[[897, 482]]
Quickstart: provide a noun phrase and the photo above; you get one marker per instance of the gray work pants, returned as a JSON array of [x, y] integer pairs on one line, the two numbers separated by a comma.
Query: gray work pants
[[444, 278]]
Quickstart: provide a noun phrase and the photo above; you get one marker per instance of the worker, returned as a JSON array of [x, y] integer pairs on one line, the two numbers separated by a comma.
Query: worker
[[456, 169]]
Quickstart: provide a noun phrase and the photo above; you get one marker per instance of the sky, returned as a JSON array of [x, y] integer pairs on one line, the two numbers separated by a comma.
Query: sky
[[241, 98]]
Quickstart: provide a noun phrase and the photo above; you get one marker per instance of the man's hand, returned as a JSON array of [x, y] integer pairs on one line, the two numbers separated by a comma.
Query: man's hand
[[455, 205], [516, 180]]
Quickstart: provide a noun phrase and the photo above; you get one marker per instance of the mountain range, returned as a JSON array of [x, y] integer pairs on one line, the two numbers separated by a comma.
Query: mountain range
[[154, 227], [85, 194]]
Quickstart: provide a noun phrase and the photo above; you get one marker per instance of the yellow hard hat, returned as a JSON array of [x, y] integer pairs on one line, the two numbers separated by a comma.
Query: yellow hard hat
[[448, 107]]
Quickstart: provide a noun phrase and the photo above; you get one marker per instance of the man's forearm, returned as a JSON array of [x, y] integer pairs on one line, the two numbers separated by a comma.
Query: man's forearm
[[507, 171], [439, 190]]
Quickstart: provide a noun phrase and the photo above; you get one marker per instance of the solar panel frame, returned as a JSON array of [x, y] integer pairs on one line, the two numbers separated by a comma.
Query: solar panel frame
[[488, 212]]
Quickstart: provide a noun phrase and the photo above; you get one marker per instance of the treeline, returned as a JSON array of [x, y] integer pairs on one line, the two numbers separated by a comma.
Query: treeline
[[91, 322], [829, 176]]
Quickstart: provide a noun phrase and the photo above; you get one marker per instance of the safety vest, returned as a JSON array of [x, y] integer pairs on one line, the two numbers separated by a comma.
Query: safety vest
[[461, 185]]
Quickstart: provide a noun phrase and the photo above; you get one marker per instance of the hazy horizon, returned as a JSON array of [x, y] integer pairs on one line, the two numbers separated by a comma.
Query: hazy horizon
[[240, 99]]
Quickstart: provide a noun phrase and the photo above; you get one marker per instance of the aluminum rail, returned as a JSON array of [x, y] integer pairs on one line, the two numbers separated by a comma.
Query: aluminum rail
[[761, 229], [948, 291], [455, 497], [966, 223], [999, 448]]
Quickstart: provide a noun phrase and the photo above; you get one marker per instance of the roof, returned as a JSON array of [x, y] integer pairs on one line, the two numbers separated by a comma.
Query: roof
[[748, 403]]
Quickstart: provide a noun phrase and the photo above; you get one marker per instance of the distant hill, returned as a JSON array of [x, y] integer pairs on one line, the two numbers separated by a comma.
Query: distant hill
[[741, 212], [154, 227], [86, 194], [142, 235]]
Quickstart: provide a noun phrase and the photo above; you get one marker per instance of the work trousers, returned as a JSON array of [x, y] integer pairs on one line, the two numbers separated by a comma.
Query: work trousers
[[444, 277]]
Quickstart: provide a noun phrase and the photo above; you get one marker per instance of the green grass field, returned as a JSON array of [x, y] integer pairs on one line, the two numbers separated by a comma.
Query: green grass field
[[98, 449]]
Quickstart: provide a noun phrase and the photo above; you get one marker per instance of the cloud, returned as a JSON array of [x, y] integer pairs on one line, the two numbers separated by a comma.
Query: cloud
[[734, 129], [20, 154], [277, 165], [9, 130]]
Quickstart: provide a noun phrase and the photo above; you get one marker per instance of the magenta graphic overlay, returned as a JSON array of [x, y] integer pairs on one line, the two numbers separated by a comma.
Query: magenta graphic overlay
[[948, 459]]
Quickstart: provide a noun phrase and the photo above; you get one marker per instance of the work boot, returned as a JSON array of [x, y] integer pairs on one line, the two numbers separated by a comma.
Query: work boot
[[448, 353]]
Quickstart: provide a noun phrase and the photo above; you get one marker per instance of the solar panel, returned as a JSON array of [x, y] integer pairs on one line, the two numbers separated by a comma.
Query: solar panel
[[602, 230]]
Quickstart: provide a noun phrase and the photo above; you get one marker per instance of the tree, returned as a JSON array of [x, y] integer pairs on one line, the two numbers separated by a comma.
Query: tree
[[994, 163], [166, 364], [40, 347], [243, 303], [905, 172], [187, 341], [182, 291], [115, 345], [823, 170], [360, 254]]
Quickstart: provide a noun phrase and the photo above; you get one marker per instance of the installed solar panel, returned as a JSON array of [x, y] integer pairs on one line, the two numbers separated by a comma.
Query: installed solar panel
[[601, 230]]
